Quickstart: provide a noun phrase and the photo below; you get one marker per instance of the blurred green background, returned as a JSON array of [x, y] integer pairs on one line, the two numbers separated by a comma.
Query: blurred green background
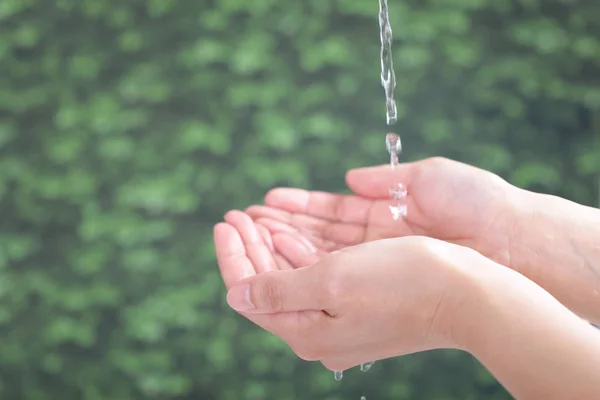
[[129, 127]]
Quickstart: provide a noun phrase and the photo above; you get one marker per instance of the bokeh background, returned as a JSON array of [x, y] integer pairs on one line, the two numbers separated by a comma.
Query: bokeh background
[[129, 127]]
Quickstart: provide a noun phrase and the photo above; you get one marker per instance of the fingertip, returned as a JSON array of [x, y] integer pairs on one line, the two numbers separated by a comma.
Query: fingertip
[[238, 298], [227, 240], [274, 196], [222, 228], [287, 198], [252, 211], [232, 215]]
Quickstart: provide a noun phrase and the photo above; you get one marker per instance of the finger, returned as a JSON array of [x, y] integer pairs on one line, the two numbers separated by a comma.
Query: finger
[[375, 182], [338, 232], [328, 206], [342, 233], [258, 211], [297, 250], [276, 227], [282, 263], [266, 236], [231, 255], [301, 289], [256, 249]]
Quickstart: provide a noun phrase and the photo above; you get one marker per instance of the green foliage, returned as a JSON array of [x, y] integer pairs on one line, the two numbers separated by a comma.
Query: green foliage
[[128, 127]]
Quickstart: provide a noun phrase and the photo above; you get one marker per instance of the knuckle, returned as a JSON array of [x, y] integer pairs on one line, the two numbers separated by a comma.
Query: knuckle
[[332, 283], [340, 207], [271, 295]]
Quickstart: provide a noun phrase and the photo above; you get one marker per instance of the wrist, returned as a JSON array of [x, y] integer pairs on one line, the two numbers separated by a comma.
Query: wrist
[[496, 292], [554, 242], [471, 281], [530, 342], [498, 240], [503, 304]]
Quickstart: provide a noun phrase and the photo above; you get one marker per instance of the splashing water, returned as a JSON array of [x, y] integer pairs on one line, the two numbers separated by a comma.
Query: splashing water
[[388, 77], [398, 191]]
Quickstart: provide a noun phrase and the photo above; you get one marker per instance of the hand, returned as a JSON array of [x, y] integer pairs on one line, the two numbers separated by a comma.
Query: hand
[[365, 303], [446, 200]]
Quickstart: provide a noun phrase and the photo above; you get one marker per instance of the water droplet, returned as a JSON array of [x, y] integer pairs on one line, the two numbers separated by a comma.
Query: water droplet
[[393, 143], [363, 398], [391, 112], [394, 147], [366, 366], [398, 192], [338, 375], [399, 211]]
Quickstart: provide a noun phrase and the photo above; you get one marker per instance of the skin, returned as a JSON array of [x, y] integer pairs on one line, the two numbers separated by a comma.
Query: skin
[[550, 240], [427, 294], [300, 262]]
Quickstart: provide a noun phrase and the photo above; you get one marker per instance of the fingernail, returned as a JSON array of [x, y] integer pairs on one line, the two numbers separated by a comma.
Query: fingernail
[[238, 298]]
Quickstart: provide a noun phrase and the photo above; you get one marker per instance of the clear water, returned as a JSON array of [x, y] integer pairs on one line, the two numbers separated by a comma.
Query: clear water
[[393, 144], [398, 191], [338, 375], [392, 141], [388, 76], [366, 366]]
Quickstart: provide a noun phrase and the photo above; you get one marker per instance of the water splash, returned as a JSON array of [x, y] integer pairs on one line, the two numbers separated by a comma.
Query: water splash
[[398, 191]]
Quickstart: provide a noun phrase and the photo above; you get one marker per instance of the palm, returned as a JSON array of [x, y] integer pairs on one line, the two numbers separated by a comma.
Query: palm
[[244, 249], [447, 200]]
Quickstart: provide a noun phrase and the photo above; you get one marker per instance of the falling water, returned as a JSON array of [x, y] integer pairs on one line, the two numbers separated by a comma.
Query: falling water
[[398, 191], [388, 76], [393, 143]]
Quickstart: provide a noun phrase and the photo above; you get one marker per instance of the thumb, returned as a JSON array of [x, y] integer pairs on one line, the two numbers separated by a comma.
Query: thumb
[[375, 182], [281, 291]]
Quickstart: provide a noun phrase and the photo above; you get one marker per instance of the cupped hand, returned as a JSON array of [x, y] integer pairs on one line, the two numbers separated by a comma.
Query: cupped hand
[[246, 249], [446, 200], [364, 303]]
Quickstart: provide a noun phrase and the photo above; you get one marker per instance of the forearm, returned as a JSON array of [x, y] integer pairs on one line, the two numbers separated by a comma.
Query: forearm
[[532, 344], [556, 243]]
